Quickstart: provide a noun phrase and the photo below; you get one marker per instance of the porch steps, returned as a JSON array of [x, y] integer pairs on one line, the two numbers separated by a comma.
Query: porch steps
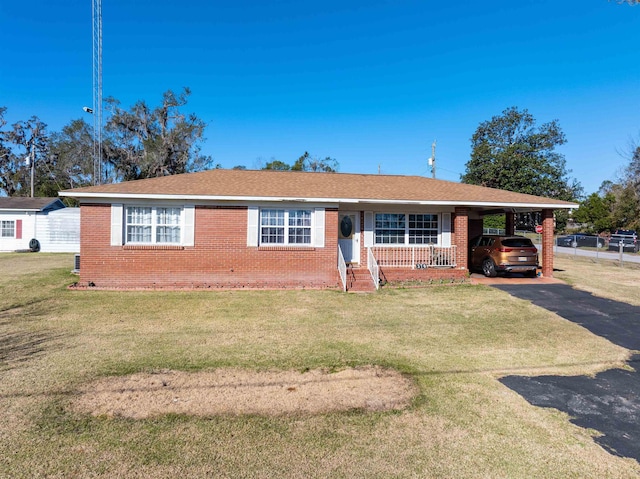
[[359, 280]]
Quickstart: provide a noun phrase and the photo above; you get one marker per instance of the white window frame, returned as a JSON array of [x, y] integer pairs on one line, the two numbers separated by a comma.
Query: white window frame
[[286, 227], [154, 224], [7, 226], [405, 237]]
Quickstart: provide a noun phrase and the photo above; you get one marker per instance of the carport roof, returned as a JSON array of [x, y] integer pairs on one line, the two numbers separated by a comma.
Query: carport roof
[[268, 185]]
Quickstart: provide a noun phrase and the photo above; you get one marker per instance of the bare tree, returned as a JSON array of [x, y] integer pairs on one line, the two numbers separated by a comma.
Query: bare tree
[[145, 142]]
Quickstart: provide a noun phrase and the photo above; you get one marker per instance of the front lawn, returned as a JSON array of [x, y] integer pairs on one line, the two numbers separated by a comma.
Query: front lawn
[[453, 342]]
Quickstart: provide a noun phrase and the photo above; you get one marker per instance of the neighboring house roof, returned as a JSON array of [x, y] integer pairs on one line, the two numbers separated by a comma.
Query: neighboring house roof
[[30, 204], [268, 185]]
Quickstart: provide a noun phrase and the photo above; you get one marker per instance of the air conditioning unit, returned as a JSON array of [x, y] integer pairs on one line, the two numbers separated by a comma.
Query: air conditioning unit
[[76, 264]]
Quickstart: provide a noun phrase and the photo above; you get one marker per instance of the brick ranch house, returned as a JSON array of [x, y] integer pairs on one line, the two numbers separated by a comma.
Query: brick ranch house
[[277, 229]]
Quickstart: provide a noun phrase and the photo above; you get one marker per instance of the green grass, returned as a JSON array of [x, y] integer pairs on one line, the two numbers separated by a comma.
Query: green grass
[[454, 341], [602, 277]]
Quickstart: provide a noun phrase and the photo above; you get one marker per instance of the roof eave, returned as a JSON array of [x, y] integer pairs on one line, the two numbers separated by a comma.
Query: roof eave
[[146, 196]]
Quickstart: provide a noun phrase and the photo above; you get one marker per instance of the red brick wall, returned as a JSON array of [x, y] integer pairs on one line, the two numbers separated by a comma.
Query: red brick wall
[[447, 275], [547, 243], [219, 259], [460, 236]]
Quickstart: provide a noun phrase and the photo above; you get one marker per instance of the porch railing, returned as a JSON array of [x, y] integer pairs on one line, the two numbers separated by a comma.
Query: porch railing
[[342, 269], [374, 269], [415, 257]]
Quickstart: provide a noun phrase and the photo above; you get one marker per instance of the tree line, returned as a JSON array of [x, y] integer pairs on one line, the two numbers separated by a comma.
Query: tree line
[[510, 151], [139, 142]]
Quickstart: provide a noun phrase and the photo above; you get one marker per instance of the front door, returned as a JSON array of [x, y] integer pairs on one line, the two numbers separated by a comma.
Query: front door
[[349, 236]]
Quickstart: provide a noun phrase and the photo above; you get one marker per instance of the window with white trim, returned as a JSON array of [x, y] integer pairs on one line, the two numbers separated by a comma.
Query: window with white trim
[[402, 228], [153, 225], [8, 229], [285, 227], [423, 229]]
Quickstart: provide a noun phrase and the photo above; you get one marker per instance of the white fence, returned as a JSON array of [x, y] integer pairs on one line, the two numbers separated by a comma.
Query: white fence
[[415, 257], [59, 231]]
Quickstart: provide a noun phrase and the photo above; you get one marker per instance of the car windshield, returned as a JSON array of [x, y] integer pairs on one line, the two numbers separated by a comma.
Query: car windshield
[[517, 243]]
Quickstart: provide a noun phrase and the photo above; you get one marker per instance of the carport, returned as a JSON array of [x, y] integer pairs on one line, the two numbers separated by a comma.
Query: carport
[[477, 214]]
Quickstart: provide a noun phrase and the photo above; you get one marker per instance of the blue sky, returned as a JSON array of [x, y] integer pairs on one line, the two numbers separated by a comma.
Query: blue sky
[[369, 83]]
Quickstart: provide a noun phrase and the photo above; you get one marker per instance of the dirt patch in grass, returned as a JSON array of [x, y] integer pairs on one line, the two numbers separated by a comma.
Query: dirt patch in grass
[[237, 391]]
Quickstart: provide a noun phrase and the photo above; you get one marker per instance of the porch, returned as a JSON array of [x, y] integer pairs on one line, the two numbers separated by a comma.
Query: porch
[[399, 263]]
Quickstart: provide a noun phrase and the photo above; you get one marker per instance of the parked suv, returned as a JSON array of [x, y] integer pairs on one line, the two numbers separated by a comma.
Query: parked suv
[[509, 254], [628, 238]]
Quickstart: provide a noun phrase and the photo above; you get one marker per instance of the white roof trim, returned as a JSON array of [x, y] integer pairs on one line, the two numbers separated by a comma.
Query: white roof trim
[[134, 196], [22, 210]]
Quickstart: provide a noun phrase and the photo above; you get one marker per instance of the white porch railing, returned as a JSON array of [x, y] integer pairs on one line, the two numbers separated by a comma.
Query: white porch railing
[[415, 257], [342, 269], [374, 269]]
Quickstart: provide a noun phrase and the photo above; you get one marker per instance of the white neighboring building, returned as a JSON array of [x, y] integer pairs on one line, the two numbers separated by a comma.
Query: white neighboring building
[[47, 220]]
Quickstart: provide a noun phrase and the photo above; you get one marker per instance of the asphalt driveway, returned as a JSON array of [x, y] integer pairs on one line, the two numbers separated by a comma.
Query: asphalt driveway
[[608, 402]]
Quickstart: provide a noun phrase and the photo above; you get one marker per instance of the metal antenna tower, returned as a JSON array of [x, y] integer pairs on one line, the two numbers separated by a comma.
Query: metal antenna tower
[[432, 160], [96, 14]]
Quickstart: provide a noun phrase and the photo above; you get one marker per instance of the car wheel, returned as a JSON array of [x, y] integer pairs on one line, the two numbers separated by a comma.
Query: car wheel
[[532, 274], [489, 268], [574, 244], [600, 245]]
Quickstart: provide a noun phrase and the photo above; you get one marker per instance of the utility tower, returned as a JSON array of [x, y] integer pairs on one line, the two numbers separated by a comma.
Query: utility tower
[[432, 160], [96, 14]]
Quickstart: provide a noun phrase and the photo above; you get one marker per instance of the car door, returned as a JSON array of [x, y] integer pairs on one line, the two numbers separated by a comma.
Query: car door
[[480, 250]]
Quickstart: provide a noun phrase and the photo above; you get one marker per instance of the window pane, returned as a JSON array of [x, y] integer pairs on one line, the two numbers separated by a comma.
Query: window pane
[[390, 228], [7, 229], [138, 234], [300, 235], [300, 218], [168, 216], [300, 226], [272, 217], [168, 234], [137, 215], [423, 229], [272, 226], [168, 225], [139, 224], [271, 235]]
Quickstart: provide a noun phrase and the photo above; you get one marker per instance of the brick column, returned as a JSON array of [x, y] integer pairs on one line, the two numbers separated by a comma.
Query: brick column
[[461, 237], [510, 223], [547, 243]]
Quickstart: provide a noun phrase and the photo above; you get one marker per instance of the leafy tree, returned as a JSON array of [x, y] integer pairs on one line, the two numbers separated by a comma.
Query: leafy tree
[[277, 165], [632, 172], [72, 150], [625, 210], [24, 142], [498, 222], [145, 142], [596, 211], [510, 152]]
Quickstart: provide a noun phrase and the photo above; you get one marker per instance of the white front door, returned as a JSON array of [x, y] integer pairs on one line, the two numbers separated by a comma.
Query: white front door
[[349, 236]]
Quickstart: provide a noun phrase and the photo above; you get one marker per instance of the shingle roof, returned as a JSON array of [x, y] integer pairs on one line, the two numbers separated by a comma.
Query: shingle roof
[[267, 184], [26, 204]]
